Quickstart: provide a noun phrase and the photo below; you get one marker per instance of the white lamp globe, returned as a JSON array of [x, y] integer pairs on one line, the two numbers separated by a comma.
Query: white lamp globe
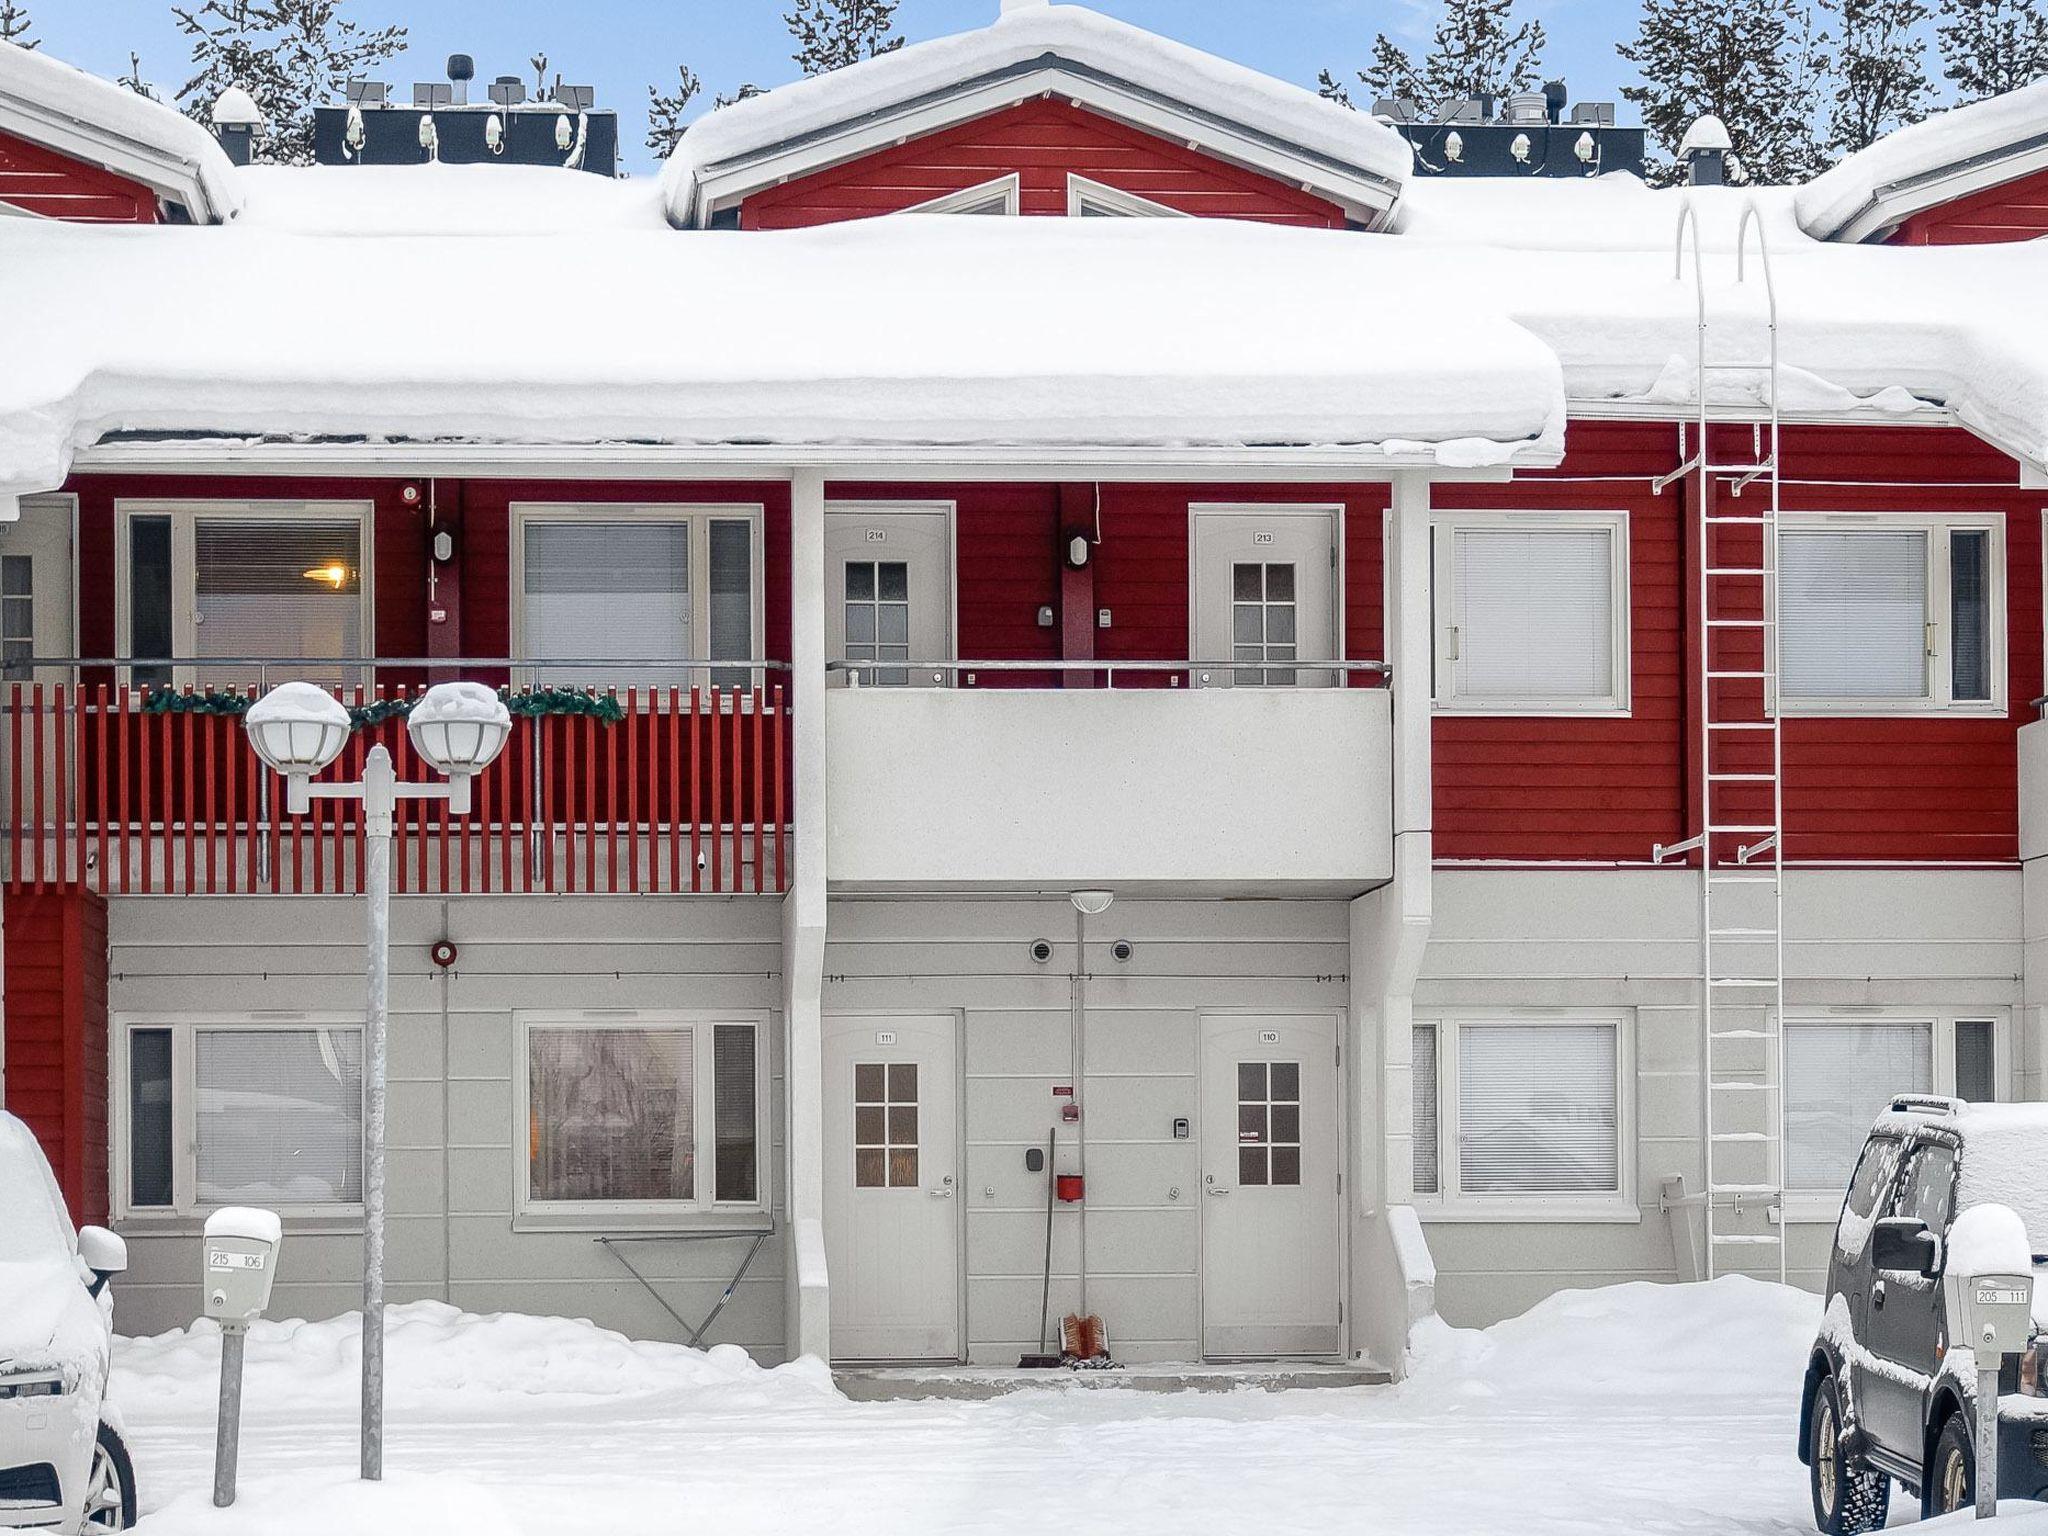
[[459, 728], [297, 728]]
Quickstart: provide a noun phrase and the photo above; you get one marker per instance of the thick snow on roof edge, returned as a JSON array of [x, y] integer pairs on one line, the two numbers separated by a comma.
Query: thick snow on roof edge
[[48, 85], [1833, 200], [1172, 69], [1003, 333]]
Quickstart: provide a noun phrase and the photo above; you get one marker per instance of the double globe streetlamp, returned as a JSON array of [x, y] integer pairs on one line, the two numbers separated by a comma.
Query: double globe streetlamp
[[299, 729]]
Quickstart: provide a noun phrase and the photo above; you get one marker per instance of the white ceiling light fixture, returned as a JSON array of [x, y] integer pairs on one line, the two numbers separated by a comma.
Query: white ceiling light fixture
[[1454, 145], [1091, 903]]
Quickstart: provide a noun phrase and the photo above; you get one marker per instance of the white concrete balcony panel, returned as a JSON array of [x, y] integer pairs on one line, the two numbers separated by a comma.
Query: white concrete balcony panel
[[1216, 789]]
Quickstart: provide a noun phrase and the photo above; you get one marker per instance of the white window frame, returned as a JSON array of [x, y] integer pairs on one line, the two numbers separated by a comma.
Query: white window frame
[[1811, 1205], [1083, 192], [1615, 702], [1009, 188], [1449, 1204], [703, 1213], [186, 1207], [185, 516], [1939, 658], [699, 516]]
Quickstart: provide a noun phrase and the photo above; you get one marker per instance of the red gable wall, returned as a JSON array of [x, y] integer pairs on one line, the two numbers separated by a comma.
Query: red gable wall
[[1042, 141], [2018, 210], [56, 187]]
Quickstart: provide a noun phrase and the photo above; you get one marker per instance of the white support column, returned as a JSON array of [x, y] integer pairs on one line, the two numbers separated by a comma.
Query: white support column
[[808, 1318], [1391, 1276]]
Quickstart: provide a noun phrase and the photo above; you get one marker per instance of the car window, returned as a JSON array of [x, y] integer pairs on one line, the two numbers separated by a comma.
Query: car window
[[1929, 1190], [1873, 1175]]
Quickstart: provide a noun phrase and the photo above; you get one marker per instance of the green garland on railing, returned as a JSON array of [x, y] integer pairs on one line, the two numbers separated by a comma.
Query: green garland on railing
[[530, 702]]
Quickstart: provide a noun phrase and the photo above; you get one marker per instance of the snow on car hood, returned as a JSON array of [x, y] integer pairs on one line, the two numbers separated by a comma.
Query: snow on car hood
[[49, 1322]]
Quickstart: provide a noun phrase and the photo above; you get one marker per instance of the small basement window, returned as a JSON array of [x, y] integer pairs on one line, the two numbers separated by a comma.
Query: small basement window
[[1892, 614], [1532, 613]]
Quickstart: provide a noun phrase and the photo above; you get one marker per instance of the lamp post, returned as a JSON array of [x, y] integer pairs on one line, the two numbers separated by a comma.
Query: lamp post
[[298, 729]]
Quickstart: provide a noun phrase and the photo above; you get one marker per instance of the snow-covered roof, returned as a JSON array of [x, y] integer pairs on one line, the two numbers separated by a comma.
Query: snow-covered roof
[[1950, 155], [80, 115], [1225, 108], [439, 199]]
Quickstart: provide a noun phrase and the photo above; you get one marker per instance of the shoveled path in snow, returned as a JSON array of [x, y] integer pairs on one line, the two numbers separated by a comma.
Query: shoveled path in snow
[[1640, 1409]]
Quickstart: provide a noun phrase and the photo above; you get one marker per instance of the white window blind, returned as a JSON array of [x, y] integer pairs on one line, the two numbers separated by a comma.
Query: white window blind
[[612, 1114], [276, 589], [1427, 1179], [279, 1116], [1537, 1109], [597, 591], [1837, 1077], [1854, 615], [1534, 613]]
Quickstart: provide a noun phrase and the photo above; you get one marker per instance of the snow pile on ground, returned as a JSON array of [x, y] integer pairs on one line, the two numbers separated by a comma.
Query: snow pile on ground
[[438, 199]]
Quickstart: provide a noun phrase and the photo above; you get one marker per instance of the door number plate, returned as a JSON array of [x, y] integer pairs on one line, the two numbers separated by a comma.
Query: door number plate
[[1269, 1037], [885, 1037], [878, 535], [1262, 538]]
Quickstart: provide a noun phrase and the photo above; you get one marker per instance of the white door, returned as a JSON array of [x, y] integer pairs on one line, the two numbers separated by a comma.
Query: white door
[[892, 1199], [35, 588], [1264, 593], [1270, 1212], [889, 582]]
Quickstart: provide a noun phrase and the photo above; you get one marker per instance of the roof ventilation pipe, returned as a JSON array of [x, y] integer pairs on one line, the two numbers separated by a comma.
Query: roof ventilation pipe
[[236, 122], [1705, 152]]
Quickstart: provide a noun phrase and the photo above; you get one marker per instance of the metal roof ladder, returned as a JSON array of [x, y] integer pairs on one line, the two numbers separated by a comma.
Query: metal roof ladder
[[1740, 764]]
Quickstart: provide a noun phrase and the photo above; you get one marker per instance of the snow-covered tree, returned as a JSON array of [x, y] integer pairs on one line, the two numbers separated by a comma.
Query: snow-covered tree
[[831, 34], [1880, 76], [290, 55], [665, 109], [14, 24], [1479, 50], [1755, 64], [1992, 46]]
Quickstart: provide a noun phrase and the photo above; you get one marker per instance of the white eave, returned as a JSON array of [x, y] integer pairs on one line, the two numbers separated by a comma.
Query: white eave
[[1892, 204]]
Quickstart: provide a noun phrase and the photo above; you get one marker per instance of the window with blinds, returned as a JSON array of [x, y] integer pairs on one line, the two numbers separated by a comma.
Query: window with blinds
[[609, 600], [1838, 1076], [278, 1116], [1854, 622], [1538, 1108], [1531, 617]]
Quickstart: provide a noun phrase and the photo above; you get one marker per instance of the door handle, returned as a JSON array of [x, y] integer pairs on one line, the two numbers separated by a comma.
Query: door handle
[[1217, 1189], [942, 1194], [1877, 1296]]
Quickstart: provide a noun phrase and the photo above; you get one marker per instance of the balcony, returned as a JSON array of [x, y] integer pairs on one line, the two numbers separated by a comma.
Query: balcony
[[138, 790], [1273, 789]]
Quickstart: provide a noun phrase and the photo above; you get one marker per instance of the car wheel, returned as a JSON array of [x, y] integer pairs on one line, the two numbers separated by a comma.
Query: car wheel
[[110, 1487], [1952, 1476], [1847, 1500]]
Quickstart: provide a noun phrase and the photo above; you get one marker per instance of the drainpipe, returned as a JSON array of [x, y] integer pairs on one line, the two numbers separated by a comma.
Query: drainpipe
[[1087, 904]]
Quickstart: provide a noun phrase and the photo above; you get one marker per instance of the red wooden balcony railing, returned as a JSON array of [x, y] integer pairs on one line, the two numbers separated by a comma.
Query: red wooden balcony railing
[[134, 790]]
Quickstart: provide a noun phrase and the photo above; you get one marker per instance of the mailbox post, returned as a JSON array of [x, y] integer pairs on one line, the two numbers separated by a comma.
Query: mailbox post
[[241, 1261], [1990, 1296]]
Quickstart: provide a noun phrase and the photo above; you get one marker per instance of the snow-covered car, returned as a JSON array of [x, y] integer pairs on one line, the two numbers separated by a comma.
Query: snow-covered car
[[1885, 1398], [62, 1464]]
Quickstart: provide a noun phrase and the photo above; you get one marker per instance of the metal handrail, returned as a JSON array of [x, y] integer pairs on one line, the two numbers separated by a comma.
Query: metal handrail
[[940, 670], [667, 663]]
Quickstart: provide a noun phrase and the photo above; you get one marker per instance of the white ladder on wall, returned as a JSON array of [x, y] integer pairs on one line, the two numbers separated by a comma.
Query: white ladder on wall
[[1741, 780]]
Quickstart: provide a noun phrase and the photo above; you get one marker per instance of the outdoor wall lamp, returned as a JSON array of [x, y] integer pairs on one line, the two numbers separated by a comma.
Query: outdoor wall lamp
[[1077, 551]]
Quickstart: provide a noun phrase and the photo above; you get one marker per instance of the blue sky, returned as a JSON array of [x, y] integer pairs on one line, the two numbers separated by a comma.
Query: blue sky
[[623, 46]]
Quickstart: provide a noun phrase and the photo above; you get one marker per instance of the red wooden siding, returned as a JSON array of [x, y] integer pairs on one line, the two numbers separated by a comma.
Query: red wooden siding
[[1042, 141], [2017, 210], [1542, 788], [58, 187], [56, 1035]]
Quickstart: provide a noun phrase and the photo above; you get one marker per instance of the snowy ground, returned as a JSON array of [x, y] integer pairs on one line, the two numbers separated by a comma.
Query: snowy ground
[[1633, 1410]]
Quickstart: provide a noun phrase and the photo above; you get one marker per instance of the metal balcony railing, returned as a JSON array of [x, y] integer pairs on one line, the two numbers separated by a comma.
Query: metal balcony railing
[[1266, 673], [679, 785]]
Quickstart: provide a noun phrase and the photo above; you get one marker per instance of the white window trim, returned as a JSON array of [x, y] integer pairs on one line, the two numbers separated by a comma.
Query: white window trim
[[1616, 702], [184, 561], [1448, 1205], [1010, 188], [1825, 1206], [705, 1213], [1082, 192], [186, 1209], [1939, 671], [698, 516]]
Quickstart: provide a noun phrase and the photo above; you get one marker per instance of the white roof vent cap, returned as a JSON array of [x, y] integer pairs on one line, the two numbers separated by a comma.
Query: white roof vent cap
[[1706, 133], [236, 108]]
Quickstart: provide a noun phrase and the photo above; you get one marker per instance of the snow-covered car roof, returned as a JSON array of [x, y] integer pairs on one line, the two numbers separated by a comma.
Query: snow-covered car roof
[[1946, 156], [80, 115], [1194, 97], [2005, 1159]]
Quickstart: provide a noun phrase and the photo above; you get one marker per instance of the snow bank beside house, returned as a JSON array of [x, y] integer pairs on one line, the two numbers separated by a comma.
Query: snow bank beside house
[[437, 199]]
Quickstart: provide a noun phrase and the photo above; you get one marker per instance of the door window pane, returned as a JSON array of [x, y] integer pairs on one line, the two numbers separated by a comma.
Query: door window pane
[[1534, 615], [149, 1118], [279, 1116], [877, 618], [149, 596], [1854, 614], [17, 613], [885, 1125], [1423, 1080], [1537, 1109], [1838, 1076], [612, 1114], [286, 590], [739, 1153], [1269, 1123], [1263, 622], [1969, 577], [610, 592]]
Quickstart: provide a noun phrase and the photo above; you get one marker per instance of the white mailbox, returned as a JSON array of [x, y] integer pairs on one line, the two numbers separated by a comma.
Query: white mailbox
[[241, 1262], [1992, 1313]]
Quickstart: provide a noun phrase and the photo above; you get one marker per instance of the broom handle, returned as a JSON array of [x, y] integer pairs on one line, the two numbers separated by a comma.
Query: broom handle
[[1045, 1296]]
